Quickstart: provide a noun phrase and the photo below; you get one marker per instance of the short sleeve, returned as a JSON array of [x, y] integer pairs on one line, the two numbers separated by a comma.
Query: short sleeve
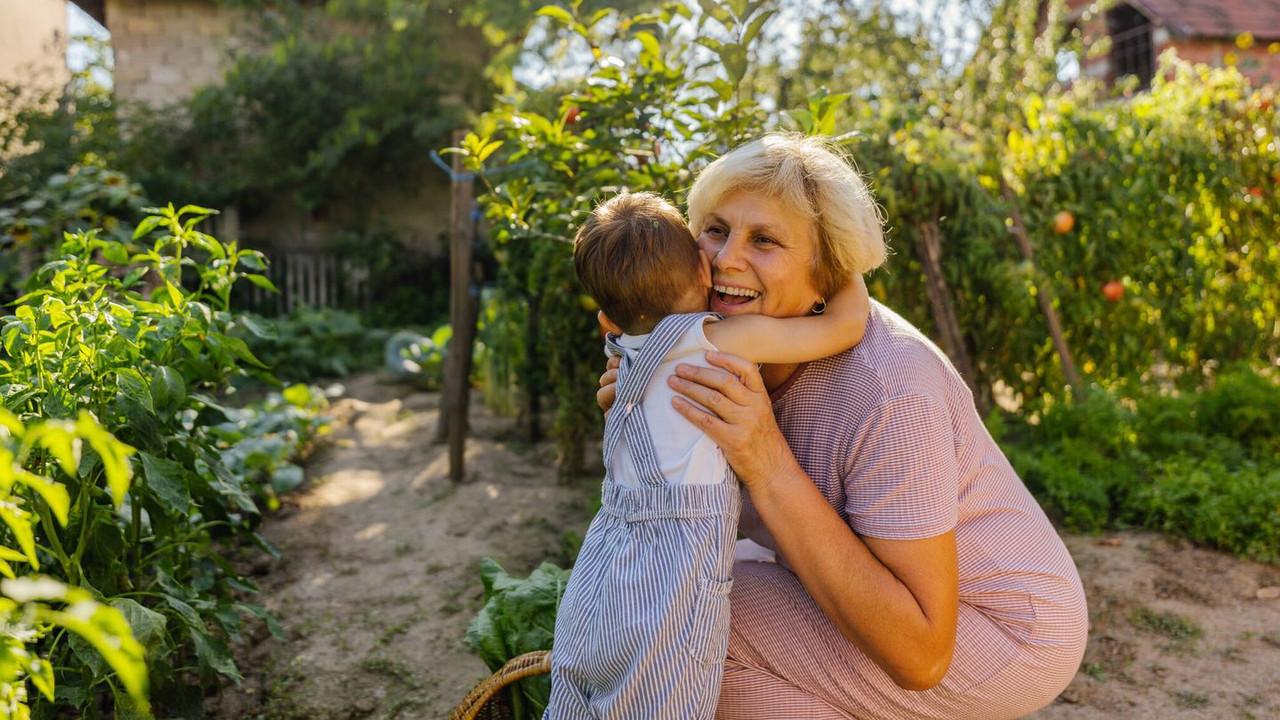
[[903, 477]]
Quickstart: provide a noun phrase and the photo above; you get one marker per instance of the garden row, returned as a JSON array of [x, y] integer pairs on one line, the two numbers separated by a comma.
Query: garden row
[[128, 487]]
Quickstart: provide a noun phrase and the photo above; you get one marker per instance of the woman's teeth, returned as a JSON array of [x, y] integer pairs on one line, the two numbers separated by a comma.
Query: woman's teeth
[[738, 294]]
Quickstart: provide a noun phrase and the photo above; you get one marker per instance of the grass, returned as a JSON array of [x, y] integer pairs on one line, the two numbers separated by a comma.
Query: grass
[[1175, 627], [1190, 700]]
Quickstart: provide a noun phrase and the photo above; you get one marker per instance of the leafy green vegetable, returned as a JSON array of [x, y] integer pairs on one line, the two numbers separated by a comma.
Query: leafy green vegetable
[[518, 616]]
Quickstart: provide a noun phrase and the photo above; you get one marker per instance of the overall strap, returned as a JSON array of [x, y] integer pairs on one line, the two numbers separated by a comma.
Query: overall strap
[[627, 417]]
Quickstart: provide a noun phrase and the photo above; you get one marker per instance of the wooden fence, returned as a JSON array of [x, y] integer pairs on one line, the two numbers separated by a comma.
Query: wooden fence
[[314, 278]]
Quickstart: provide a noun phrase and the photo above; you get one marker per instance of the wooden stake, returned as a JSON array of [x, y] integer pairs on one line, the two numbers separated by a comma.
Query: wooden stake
[[457, 373], [1044, 291], [950, 337]]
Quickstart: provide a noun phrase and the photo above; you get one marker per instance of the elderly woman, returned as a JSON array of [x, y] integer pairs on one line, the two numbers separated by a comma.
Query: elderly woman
[[917, 577]]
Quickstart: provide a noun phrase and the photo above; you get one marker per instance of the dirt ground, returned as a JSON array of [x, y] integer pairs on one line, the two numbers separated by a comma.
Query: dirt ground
[[378, 581]]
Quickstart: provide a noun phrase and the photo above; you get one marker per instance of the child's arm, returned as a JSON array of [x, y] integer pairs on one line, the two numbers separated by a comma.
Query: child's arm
[[763, 339]]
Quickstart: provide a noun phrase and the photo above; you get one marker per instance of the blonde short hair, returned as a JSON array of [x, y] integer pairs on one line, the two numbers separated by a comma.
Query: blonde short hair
[[814, 178]]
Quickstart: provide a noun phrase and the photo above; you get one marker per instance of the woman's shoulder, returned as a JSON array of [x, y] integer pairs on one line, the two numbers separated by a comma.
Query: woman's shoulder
[[894, 360]]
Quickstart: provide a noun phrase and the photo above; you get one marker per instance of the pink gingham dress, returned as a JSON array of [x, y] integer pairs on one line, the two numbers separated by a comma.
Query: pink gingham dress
[[889, 434]]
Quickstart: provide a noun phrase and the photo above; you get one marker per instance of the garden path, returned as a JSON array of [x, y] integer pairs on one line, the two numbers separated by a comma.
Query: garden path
[[378, 581]]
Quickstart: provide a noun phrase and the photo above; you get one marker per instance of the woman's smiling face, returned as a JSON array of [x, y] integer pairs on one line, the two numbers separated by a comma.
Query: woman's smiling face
[[761, 254]]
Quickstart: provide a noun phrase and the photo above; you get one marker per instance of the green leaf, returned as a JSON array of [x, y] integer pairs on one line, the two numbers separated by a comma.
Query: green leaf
[[113, 453], [273, 625], [558, 14], [213, 654], [109, 634], [237, 348], [167, 479], [286, 477], [135, 387], [54, 494], [20, 522], [148, 625], [59, 438], [40, 673], [261, 281], [168, 388], [116, 253], [256, 328], [148, 224]]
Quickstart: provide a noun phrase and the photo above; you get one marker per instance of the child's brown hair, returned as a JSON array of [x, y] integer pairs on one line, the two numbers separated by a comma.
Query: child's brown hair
[[637, 259]]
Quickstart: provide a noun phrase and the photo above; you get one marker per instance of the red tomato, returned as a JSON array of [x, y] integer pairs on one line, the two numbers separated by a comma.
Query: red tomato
[[1113, 290], [571, 115]]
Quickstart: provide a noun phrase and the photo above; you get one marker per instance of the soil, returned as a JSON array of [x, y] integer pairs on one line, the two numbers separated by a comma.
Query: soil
[[377, 582]]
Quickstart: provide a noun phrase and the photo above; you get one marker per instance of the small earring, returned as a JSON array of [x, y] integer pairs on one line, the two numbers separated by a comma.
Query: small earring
[[820, 306]]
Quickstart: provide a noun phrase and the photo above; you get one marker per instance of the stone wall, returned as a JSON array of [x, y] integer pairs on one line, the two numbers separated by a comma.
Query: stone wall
[[166, 49]]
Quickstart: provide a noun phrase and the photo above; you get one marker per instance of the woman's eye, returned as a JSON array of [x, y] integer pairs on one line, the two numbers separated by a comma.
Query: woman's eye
[[766, 239], [715, 230]]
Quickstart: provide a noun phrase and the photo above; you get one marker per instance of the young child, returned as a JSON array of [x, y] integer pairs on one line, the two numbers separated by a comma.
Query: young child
[[643, 626]]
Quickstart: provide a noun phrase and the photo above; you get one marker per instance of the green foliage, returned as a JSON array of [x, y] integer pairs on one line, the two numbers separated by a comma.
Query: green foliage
[[519, 616], [634, 122], [311, 343], [116, 357], [1199, 464], [1175, 196], [85, 197]]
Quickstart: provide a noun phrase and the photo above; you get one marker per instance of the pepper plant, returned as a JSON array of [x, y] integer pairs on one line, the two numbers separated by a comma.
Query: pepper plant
[[136, 337]]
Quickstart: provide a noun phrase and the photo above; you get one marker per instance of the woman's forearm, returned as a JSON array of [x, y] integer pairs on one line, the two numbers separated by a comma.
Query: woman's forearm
[[910, 638]]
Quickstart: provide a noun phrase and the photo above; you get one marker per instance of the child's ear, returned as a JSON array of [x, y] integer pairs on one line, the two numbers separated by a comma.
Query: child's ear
[[705, 269], [607, 324]]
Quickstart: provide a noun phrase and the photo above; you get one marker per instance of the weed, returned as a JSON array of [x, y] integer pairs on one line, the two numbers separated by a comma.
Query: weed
[[399, 628], [1095, 670], [403, 549], [1190, 700], [408, 702], [1272, 638], [1177, 628], [391, 668], [433, 568]]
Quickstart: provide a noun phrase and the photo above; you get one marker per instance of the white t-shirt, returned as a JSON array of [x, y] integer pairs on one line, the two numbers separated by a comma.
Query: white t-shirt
[[685, 454]]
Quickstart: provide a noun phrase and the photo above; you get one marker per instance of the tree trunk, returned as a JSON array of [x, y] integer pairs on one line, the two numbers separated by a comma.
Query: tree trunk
[[462, 317], [1044, 291], [950, 336]]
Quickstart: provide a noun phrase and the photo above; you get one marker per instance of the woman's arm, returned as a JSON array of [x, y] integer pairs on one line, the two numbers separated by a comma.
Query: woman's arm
[[896, 600]]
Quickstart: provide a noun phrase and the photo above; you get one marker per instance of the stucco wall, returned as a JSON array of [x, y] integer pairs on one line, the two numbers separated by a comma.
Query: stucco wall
[[33, 36]]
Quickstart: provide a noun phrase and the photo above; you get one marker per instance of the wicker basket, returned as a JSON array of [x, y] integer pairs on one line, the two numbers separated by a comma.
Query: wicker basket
[[486, 702]]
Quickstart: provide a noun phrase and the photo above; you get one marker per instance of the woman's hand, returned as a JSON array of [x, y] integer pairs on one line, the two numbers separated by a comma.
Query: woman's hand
[[608, 391], [740, 418]]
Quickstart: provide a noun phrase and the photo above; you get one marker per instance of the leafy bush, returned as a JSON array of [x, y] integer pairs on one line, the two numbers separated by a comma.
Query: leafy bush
[[518, 616], [1197, 464], [84, 197], [138, 336], [310, 343]]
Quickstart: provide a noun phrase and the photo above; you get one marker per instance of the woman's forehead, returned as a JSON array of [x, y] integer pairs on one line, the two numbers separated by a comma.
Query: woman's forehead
[[754, 209]]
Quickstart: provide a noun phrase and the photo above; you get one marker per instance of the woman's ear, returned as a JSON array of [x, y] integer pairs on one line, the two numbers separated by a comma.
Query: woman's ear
[[607, 324]]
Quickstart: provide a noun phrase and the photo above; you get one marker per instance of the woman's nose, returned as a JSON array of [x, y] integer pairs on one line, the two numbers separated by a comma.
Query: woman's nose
[[729, 255]]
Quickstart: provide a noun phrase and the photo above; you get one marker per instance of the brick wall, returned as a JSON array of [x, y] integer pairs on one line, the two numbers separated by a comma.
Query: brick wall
[[166, 49], [1257, 63]]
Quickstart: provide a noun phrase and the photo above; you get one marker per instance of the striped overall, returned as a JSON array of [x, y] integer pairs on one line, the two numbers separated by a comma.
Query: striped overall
[[643, 627]]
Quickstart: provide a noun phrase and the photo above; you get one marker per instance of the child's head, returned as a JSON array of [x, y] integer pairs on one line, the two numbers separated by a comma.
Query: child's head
[[638, 260]]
